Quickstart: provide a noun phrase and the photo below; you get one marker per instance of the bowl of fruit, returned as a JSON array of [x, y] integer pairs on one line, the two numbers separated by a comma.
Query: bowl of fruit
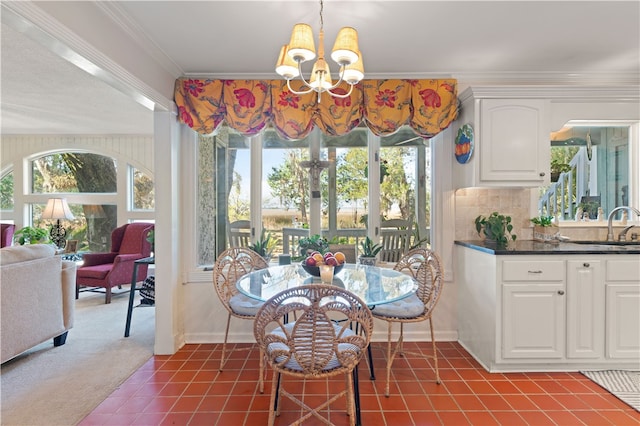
[[312, 262]]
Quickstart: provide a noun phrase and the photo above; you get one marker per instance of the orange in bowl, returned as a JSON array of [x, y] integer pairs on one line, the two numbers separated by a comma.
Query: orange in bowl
[[339, 257]]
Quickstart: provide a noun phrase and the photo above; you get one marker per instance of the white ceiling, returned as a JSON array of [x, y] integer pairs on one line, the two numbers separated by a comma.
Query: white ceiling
[[477, 42]]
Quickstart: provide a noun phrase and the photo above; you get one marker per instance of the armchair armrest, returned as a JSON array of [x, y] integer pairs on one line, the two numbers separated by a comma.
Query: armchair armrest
[[123, 266], [128, 257], [91, 259]]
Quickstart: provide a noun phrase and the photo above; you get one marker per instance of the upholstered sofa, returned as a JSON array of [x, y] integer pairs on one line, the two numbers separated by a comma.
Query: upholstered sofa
[[37, 298]]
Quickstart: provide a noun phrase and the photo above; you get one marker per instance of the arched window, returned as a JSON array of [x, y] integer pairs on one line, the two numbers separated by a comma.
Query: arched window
[[90, 184]]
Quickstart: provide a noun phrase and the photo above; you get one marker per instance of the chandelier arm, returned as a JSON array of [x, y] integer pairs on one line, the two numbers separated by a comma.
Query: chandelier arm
[[337, 95], [305, 82], [340, 80], [296, 92]]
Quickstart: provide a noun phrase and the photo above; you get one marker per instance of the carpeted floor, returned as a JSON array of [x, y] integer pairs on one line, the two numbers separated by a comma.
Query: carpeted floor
[[623, 384], [60, 386]]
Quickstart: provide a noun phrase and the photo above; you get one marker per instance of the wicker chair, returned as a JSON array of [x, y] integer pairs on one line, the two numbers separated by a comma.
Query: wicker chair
[[232, 264], [425, 266], [320, 343]]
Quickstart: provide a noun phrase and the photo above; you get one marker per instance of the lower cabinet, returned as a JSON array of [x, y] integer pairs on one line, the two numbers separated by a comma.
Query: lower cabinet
[[549, 312], [585, 309], [623, 309], [533, 308]]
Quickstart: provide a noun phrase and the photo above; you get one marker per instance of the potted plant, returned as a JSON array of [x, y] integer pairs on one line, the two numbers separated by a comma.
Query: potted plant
[[31, 235], [369, 252], [544, 229], [312, 243], [341, 244], [558, 167], [495, 227], [590, 207], [265, 245]]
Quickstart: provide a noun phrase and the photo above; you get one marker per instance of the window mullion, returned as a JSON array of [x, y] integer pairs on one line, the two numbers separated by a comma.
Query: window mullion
[[373, 142], [255, 199]]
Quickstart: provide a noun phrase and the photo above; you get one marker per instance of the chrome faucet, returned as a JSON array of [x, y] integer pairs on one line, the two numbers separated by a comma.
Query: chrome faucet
[[623, 234]]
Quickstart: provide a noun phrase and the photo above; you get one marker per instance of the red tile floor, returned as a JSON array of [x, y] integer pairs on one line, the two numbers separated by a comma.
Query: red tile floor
[[187, 389]]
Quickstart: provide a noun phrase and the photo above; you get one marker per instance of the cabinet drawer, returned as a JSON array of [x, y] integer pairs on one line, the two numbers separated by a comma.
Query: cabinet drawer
[[623, 270], [536, 270]]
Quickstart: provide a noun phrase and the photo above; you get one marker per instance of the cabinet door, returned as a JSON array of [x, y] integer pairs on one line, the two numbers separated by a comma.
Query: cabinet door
[[585, 309], [623, 320], [533, 323], [514, 141]]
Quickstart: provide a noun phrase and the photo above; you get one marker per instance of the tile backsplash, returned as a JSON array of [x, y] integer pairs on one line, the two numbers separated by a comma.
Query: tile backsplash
[[516, 202], [471, 202]]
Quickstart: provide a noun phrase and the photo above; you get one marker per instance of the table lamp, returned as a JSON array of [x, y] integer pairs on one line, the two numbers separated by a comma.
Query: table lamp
[[57, 209]]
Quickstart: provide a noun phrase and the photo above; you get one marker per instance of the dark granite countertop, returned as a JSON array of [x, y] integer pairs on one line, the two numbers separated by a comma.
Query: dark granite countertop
[[534, 247]]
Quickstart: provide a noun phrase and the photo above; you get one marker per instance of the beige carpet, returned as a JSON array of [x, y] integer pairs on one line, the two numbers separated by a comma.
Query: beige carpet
[[60, 386]]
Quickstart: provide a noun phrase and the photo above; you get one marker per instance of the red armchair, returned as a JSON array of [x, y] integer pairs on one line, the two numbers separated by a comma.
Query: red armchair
[[7, 234], [107, 270]]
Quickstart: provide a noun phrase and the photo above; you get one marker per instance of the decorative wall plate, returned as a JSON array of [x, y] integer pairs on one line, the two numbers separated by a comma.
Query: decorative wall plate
[[464, 144]]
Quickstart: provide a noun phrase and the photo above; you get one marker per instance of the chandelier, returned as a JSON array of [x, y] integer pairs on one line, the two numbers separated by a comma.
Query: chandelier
[[301, 48]]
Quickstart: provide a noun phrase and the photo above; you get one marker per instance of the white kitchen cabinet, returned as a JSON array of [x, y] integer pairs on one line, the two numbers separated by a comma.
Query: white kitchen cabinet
[[533, 308], [585, 309], [549, 312], [533, 323], [511, 146], [623, 309]]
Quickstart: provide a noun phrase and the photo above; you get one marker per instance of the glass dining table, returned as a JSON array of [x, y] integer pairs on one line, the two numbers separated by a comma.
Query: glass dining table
[[374, 285]]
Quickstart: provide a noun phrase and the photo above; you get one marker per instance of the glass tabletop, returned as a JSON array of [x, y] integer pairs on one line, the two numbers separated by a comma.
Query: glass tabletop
[[375, 286]]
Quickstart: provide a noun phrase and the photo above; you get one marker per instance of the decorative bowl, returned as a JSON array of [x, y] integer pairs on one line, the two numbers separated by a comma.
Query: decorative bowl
[[315, 271]]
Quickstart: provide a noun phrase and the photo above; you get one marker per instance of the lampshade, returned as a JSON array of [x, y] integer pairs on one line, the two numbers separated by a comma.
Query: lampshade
[[355, 72], [301, 44], [321, 75], [345, 49], [286, 66], [94, 211], [57, 208]]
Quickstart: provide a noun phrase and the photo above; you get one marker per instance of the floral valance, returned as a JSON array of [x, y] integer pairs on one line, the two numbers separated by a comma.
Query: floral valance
[[427, 106]]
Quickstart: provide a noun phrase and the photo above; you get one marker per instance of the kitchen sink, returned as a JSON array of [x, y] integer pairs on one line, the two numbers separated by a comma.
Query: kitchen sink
[[606, 243]]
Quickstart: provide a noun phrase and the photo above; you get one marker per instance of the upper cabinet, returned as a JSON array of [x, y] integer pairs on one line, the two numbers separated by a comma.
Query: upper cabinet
[[514, 135], [512, 125], [511, 141]]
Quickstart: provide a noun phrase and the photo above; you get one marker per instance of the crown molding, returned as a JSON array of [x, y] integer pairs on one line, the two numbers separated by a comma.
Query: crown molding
[[630, 93], [130, 27]]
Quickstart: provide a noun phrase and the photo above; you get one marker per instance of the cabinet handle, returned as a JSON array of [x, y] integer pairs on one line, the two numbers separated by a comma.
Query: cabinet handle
[[542, 174], [535, 272], [586, 265], [561, 292]]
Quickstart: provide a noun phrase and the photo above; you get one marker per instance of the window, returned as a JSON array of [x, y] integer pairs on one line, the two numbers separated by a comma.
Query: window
[[590, 170], [6, 192], [143, 193], [287, 195], [89, 183]]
